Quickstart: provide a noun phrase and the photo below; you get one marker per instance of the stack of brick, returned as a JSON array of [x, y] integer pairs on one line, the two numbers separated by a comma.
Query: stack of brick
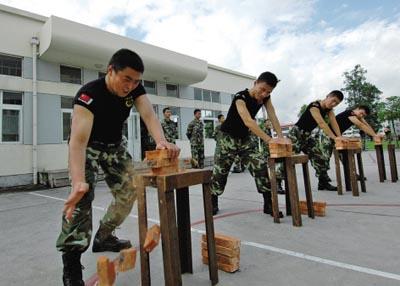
[[353, 143], [319, 208], [278, 150], [227, 251], [161, 163]]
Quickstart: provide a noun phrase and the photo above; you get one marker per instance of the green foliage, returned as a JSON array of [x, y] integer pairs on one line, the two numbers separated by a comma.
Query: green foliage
[[302, 109], [360, 92]]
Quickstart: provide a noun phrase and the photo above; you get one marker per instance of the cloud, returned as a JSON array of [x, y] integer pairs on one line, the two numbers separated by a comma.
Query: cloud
[[308, 53]]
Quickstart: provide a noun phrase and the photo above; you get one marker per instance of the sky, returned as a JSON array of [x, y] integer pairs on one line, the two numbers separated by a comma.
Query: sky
[[308, 44]]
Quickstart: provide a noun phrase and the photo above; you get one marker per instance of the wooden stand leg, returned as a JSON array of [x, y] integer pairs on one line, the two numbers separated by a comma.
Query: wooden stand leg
[[338, 174], [142, 221], [361, 171], [393, 165], [352, 173], [346, 169], [212, 258], [307, 186], [294, 196], [274, 194], [169, 237], [184, 233], [381, 163]]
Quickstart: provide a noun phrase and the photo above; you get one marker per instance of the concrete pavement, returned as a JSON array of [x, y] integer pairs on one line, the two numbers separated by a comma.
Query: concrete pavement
[[355, 244]]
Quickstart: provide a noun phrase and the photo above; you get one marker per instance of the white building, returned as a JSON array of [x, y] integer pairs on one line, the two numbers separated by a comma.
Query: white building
[[43, 63]]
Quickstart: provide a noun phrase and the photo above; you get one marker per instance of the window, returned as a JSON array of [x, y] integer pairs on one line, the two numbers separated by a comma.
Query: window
[[150, 86], [216, 97], [207, 95], [172, 90], [66, 113], [197, 94], [70, 74], [11, 116], [10, 65]]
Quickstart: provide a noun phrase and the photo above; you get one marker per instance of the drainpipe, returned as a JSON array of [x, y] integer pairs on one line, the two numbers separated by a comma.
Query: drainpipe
[[34, 43]]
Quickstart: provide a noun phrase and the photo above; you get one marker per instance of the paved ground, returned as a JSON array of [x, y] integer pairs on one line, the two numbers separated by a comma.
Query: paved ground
[[355, 244]]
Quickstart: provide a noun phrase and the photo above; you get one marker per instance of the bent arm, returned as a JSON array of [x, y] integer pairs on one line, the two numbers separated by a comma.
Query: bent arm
[[250, 122], [321, 122]]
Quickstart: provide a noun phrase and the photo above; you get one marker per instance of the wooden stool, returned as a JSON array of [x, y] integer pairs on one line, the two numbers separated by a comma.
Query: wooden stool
[[393, 164], [349, 169], [292, 195], [176, 239], [381, 162]]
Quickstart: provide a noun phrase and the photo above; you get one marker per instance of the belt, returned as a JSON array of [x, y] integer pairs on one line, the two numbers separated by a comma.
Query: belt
[[99, 144]]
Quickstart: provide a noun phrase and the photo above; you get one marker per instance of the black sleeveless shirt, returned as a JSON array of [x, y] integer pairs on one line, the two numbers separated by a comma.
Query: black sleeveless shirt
[[306, 121], [234, 125], [110, 111]]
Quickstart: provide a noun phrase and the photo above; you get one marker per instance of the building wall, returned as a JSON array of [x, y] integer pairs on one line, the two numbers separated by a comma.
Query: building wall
[[16, 158]]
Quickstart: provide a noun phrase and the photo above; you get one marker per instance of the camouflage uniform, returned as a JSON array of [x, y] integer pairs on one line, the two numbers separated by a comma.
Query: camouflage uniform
[[304, 141], [117, 165], [225, 153], [195, 134], [170, 131]]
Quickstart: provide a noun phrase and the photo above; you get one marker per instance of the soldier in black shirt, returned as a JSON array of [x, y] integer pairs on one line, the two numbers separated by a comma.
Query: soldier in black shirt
[[302, 139], [100, 110], [234, 139], [345, 120]]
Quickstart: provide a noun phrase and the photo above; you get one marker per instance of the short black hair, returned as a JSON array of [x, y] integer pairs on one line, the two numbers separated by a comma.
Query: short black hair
[[269, 78], [165, 109], [124, 58], [220, 115], [337, 93], [365, 108], [196, 110]]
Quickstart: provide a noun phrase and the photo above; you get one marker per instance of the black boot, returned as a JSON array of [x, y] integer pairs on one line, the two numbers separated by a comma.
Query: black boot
[[268, 204], [105, 240], [323, 185], [72, 271], [279, 188], [214, 199]]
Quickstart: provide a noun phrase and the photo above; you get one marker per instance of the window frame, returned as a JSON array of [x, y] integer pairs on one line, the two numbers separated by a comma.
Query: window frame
[[71, 67], [19, 108], [177, 90], [16, 58]]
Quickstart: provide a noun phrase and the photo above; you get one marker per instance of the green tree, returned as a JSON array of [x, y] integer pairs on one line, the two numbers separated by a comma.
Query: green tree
[[360, 92], [302, 109], [389, 110]]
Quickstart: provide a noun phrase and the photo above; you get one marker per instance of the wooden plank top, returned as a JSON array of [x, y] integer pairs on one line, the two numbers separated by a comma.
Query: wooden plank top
[[178, 180]]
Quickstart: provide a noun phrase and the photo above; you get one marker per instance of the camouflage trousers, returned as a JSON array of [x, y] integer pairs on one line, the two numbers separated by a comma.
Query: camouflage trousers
[[304, 141], [278, 166], [327, 145], [225, 153], [116, 163], [197, 156]]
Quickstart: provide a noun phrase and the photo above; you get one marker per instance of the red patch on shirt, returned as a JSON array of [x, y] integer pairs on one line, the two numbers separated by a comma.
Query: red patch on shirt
[[85, 98]]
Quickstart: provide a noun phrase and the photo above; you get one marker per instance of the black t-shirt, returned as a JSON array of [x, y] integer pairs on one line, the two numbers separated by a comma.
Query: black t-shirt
[[306, 121], [110, 111], [344, 121], [233, 124]]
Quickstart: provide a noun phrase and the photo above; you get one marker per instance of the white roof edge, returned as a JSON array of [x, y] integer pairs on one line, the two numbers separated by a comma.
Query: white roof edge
[[211, 66], [23, 13]]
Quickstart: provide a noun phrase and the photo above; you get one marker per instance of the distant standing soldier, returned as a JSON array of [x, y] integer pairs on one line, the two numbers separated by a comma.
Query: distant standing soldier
[[169, 126], [194, 133], [217, 130]]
